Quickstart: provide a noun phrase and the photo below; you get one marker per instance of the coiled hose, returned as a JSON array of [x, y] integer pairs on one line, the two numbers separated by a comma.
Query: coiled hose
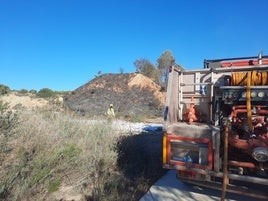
[[256, 78], [248, 79]]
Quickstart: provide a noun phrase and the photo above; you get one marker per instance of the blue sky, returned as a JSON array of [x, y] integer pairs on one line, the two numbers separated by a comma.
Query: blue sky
[[63, 44]]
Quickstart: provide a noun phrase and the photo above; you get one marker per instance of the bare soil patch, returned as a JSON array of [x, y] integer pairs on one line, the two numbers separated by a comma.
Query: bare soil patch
[[26, 101]]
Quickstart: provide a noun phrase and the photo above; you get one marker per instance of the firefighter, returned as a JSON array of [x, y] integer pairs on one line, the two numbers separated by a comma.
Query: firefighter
[[58, 101], [110, 111]]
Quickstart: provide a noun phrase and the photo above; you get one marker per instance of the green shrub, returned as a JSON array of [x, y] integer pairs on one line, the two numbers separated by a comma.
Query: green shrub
[[45, 93], [33, 91], [8, 119], [4, 89], [23, 91]]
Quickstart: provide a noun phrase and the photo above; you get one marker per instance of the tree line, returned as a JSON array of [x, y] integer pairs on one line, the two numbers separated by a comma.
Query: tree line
[[158, 72], [42, 93]]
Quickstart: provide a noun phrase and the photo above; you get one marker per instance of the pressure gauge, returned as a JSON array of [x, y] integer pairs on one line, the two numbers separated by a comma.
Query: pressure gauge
[[253, 94], [244, 94], [261, 94]]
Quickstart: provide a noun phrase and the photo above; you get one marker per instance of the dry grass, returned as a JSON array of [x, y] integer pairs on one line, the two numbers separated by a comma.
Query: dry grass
[[49, 150], [51, 155]]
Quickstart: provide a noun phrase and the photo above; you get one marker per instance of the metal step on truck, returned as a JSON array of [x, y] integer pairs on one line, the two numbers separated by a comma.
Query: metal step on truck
[[216, 125]]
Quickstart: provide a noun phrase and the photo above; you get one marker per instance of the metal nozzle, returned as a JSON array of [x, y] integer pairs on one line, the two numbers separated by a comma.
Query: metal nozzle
[[260, 58]]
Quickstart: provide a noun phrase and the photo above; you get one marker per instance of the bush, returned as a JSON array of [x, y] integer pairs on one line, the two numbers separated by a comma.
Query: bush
[[4, 89], [8, 119], [33, 91], [23, 91], [45, 93]]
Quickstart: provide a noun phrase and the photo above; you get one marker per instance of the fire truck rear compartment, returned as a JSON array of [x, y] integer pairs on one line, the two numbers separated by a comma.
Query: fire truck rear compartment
[[217, 121], [193, 145]]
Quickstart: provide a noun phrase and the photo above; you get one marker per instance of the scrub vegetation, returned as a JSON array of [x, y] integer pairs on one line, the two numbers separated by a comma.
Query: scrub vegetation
[[49, 154], [71, 151]]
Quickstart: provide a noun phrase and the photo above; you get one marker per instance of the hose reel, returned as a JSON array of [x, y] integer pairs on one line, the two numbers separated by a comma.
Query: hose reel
[[256, 78]]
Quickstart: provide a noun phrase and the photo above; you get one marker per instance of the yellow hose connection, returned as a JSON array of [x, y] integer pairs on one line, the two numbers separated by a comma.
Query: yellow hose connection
[[256, 77], [248, 79], [248, 100]]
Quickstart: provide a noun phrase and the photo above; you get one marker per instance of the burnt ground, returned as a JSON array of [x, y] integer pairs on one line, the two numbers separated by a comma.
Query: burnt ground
[[131, 94]]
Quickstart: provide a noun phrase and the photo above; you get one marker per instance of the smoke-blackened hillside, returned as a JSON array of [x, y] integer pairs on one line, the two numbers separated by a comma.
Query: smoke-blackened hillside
[[130, 94]]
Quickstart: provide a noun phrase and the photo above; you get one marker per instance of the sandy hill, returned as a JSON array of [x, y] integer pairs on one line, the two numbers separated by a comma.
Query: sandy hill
[[27, 101], [131, 93]]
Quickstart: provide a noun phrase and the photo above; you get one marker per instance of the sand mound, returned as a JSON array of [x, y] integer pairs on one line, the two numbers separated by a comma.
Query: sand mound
[[25, 101]]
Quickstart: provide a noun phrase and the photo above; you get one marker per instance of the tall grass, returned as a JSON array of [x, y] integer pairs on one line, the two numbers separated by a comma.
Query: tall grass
[[52, 150], [50, 155]]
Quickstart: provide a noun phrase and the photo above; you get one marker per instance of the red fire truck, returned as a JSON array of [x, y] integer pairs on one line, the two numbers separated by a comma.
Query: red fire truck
[[216, 124]]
